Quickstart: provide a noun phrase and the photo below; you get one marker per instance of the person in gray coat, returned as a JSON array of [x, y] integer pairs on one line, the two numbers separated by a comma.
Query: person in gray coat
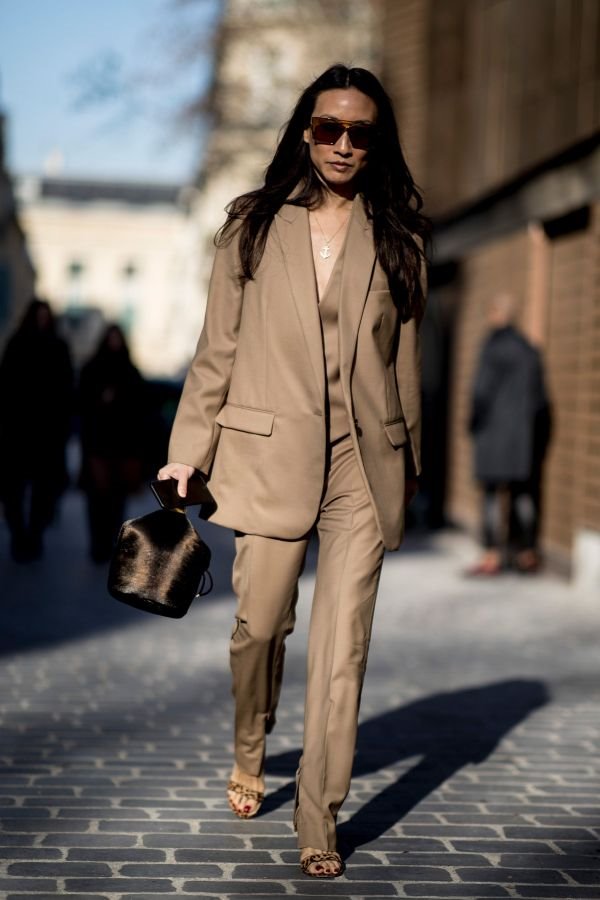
[[510, 426]]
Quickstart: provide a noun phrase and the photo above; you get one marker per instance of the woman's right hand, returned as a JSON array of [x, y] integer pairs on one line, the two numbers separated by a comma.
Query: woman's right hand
[[180, 472]]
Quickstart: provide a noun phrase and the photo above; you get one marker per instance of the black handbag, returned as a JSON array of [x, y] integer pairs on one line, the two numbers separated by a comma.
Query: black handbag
[[160, 562]]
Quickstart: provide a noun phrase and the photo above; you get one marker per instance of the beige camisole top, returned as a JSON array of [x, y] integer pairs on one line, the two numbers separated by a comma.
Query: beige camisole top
[[329, 305]]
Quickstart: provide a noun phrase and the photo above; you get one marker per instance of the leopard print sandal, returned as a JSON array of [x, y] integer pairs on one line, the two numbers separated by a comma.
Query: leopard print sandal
[[322, 856], [246, 794]]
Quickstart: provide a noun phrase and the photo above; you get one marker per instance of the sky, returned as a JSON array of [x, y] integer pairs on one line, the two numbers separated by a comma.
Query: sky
[[46, 45]]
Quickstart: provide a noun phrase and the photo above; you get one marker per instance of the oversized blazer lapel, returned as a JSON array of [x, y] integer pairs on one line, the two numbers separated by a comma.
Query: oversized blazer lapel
[[357, 271], [293, 230]]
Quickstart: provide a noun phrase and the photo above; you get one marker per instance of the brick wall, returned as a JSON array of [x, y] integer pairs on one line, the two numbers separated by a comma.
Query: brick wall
[[559, 309], [504, 265], [572, 477], [485, 89], [405, 74]]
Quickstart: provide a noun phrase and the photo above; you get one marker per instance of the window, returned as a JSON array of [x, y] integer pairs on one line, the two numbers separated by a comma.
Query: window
[[129, 271], [75, 274]]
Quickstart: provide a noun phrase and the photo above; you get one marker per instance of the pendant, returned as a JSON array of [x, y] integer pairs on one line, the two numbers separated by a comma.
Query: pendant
[[325, 251]]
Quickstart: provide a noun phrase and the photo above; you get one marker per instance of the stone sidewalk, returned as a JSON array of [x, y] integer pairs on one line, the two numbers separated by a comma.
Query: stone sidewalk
[[478, 762]]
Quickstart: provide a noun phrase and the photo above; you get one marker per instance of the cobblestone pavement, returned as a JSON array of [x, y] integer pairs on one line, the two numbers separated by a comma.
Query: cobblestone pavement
[[478, 760]]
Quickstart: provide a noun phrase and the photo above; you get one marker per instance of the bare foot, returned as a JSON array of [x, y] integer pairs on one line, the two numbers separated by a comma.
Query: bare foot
[[321, 863]]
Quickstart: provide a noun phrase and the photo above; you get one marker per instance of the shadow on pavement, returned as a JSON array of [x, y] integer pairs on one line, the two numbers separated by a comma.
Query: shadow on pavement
[[64, 596], [448, 731]]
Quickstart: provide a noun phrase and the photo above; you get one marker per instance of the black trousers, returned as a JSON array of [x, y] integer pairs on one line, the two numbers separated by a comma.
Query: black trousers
[[30, 500], [510, 515]]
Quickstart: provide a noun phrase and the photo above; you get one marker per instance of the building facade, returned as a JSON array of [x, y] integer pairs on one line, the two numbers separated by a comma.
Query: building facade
[[16, 270], [499, 107], [268, 51], [117, 252]]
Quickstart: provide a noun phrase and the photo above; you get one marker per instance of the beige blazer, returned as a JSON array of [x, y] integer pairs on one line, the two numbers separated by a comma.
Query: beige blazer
[[252, 413]]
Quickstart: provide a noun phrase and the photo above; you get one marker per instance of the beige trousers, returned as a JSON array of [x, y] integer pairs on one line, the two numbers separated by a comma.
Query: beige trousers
[[265, 580]]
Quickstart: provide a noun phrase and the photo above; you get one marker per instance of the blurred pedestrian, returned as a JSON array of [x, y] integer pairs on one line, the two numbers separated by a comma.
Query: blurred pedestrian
[[302, 405], [36, 396], [510, 425], [113, 417]]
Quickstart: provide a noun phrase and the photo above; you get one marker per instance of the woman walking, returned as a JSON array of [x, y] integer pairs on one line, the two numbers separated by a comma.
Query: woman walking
[[113, 410], [302, 407]]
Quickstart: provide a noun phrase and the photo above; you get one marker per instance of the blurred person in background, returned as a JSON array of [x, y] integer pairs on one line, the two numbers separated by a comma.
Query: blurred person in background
[[510, 426], [36, 403], [113, 420], [302, 406]]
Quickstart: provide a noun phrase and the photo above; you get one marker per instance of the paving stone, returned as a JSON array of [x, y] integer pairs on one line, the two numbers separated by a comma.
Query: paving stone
[[59, 869], [116, 854], [74, 779], [454, 891], [171, 804], [115, 756], [437, 859], [568, 820], [53, 896], [548, 833], [119, 790], [214, 855], [341, 887], [544, 861], [449, 831], [70, 839], [392, 844], [161, 897], [527, 808], [13, 812], [499, 846], [485, 819], [200, 841], [518, 876], [140, 826], [582, 876], [27, 884], [557, 892], [584, 848], [170, 870], [258, 827], [31, 853], [268, 888], [16, 840], [63, 802], [397, 873], [38, 826], [103, 813], [120, 885]]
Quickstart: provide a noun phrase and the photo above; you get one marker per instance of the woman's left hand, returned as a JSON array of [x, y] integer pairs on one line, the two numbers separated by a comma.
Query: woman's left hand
[[180, 472]]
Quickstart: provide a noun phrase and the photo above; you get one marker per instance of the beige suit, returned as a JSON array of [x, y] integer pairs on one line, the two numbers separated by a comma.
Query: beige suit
[[253, 415], [252, 410]]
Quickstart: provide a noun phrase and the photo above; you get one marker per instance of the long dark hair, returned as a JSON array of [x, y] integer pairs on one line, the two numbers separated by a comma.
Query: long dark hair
[[392, 201]]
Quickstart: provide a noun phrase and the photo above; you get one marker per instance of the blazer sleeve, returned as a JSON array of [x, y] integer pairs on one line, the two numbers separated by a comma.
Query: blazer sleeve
[[408, 378], [194, 434]]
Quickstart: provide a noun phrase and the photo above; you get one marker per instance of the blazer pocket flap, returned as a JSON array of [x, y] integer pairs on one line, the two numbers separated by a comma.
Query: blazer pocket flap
[[396, 432], [243, 418]]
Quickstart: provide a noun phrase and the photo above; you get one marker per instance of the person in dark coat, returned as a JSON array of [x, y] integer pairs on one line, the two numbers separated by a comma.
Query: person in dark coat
[[113, 417], [36, 398], [510, 425]]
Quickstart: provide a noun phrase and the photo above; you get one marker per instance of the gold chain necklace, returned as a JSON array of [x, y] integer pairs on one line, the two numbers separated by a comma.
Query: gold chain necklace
[[325, 250]]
